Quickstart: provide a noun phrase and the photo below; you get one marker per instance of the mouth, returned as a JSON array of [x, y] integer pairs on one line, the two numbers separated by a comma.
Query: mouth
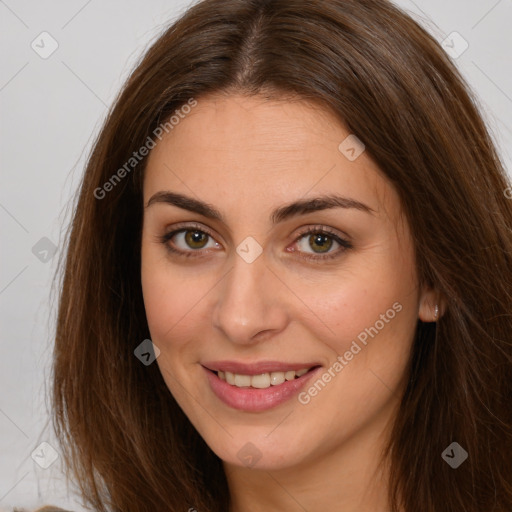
[[260, 386]]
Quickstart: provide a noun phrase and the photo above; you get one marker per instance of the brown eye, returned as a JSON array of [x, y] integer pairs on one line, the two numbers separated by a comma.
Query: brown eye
[[320, 241], [188, 241], [195, 239]]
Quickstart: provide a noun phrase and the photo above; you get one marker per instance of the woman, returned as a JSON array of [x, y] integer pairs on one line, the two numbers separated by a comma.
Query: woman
[[288, 278]]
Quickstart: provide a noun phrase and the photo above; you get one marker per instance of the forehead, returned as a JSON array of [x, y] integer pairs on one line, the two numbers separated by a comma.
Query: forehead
[[262, 152]]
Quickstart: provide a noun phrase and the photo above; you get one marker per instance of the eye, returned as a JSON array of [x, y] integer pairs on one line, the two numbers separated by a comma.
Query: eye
[[190, 237], [321, 240]]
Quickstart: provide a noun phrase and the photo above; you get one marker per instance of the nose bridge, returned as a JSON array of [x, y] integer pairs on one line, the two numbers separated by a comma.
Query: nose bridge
[[248, 301]]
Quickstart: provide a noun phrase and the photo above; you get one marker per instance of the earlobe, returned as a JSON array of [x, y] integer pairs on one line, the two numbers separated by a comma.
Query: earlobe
[[431, 306]]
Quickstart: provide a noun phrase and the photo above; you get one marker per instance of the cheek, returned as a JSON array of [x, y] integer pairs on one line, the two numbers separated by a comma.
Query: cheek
[[179, 304], [170, 308], [369, 324], [361, 296], [171, 299], [363, 323]]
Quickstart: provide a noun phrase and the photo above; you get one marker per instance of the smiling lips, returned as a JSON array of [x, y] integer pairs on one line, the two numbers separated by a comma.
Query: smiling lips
[[257, 386]]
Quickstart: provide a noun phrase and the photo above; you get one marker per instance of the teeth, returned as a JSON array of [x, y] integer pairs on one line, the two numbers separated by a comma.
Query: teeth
[[242, 381], [262, 381], [277, 378]]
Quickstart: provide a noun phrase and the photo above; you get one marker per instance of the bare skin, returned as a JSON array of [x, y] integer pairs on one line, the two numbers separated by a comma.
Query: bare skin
[[246, 156]]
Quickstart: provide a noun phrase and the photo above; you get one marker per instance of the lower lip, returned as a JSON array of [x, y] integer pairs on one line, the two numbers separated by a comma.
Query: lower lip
[[253, 399]]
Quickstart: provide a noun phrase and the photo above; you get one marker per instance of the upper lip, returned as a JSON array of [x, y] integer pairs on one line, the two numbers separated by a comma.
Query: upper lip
[[256, 368]]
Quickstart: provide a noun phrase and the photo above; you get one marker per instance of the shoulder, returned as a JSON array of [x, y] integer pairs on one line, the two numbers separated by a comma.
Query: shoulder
[[50, 508]]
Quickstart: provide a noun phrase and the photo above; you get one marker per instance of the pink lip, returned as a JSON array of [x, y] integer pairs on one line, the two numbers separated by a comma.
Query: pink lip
[[255, 368], [256, 400]]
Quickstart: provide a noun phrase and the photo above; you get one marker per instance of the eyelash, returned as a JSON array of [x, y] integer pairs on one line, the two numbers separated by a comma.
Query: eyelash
[[345, 244]]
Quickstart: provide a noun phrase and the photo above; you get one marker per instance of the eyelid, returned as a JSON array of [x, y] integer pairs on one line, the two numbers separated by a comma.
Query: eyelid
[[324, 229], [183, 226]]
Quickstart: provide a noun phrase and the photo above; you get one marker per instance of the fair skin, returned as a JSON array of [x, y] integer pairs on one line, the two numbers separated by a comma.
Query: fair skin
[[247, 156]]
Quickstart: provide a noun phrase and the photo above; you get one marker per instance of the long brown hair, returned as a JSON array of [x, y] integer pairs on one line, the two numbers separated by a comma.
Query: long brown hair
[[126, 442]]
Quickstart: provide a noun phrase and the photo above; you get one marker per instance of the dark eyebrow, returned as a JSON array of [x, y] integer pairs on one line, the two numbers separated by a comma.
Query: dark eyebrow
[[280, 214]]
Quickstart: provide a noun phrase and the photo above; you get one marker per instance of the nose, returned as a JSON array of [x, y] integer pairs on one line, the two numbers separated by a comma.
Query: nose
[[251, 305]]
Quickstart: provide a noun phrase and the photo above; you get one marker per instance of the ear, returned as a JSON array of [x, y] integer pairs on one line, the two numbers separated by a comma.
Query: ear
[[427, 305]]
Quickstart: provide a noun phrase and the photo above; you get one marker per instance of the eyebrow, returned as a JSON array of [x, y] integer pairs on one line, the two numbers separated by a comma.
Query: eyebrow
[[300, 207]]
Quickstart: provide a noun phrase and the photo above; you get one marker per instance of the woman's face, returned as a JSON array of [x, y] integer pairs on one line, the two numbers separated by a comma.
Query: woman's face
[[242, 289]]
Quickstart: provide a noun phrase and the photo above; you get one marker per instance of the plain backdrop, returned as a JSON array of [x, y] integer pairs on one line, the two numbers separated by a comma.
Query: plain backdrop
[[50, 110]]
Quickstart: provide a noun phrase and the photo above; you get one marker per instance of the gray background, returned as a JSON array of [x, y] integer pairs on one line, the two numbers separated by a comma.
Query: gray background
[[51, 109]]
